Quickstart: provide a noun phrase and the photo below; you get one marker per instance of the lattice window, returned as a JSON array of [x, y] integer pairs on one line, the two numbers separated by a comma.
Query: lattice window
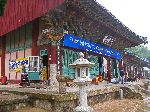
[[95, 69], [68, 57]]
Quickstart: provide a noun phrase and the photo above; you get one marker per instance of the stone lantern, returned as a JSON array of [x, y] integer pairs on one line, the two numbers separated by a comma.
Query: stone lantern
[[82, 77]]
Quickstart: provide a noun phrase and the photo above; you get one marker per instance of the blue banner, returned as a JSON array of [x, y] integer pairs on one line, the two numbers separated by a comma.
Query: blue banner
[[80, 43]]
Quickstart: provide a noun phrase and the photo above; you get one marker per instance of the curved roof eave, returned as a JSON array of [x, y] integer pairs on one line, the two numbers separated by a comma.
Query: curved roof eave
[[104, 16]]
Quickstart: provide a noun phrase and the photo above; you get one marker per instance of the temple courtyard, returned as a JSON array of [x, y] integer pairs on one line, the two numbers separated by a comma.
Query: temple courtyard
[[15, 93]]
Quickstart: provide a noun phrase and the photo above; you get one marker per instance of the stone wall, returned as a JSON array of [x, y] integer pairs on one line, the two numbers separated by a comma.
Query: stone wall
[[8, 106], [130, 94], [67, 105], [58, 102], [67, 102], [92, 100]]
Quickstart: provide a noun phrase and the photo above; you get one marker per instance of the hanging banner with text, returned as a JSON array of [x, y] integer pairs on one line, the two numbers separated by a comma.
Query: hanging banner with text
[[80, 43]]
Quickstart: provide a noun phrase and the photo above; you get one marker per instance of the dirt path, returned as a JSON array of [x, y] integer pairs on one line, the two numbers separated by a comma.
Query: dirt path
[[30, 109], [125, 105]]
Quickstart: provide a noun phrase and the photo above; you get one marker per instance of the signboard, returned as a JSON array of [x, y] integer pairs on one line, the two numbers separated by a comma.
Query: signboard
[[44, 72], [16, 65], [43, 52], [79, 43]]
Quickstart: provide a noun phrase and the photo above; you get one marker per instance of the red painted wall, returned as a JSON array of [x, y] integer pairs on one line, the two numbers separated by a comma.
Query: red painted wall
[[19, 12]]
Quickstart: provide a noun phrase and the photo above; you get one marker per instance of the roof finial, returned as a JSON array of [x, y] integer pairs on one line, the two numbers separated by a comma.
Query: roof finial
[[81, 55]]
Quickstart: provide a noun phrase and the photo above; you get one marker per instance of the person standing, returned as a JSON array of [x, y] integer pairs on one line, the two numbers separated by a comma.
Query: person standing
[[122, 76]]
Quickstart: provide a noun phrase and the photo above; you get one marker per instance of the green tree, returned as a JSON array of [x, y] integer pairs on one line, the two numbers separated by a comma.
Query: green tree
[[2, 5], [139, 51]]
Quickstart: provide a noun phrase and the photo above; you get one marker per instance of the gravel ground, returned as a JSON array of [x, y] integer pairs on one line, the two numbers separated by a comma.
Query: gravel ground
[[30, 109], [124, 105]]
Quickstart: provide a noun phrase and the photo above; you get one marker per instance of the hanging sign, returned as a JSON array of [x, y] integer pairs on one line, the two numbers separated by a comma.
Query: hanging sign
[[44, 73], [43, 52], [79, 43]]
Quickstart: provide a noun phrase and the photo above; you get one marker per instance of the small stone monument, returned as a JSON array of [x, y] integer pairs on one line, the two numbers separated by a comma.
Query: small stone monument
[[82, 77]]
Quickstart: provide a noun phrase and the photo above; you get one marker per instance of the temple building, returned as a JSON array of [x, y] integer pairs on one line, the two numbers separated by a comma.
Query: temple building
[[146, 72], [47, 35], [134, 66]]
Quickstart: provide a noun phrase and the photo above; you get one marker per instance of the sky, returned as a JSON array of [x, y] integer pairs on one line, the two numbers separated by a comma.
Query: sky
[[132, 13]]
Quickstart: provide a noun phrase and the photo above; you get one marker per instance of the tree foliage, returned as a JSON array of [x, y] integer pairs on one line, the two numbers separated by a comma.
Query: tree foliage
[[139, 51], [2, 5]]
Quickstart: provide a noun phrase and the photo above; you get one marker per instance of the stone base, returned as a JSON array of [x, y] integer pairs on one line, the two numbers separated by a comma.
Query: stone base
[[54, 85], [62, 87], [83, 109]]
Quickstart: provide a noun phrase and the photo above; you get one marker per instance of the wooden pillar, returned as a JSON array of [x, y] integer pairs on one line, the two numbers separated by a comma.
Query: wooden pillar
[[130, 71], [3, 56], [120, 65], [108, 70], [133, 71], [139, 70], [35, 34], [60, 60], [125, 70], [136, 70], [142, 71], [53, 53]]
